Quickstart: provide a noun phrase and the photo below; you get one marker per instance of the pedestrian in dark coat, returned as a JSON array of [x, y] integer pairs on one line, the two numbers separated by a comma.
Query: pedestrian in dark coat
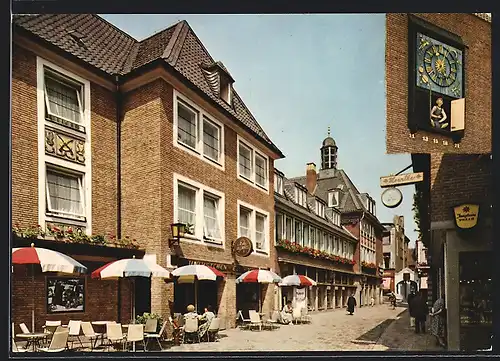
[[420, 311], [351, 303], [410, 297]]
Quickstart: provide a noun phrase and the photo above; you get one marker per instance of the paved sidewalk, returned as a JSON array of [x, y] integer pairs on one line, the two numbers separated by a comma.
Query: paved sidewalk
[[399, 336]]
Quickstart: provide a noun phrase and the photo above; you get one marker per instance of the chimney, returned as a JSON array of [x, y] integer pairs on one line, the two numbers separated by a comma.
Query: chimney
[[311, 177]]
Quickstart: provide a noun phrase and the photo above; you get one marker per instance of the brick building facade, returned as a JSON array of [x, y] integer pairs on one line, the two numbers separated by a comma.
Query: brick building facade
[[459, 259], [159, 135], [474, 33]]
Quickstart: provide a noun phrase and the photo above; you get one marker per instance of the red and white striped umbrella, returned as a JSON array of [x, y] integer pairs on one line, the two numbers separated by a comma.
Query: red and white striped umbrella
[[130, 267], [297, 280], [188, 274], [49, 260], [258, 276]]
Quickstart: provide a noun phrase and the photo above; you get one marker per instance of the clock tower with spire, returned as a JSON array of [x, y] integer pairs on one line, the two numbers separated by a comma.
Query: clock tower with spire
[[329, 153]]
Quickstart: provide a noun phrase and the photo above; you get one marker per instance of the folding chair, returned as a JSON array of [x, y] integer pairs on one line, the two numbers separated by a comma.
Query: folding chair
[[246, 321], [213, 329], [255, 320], [16, 348], [115, 335], [58, 343], [151, 325], [297, 315], [156, 336], [135, 333], [89, 333], [75, 330], [274, 321]]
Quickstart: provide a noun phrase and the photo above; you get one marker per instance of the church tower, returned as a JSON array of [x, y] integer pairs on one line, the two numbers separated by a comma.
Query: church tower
[[329, 153]]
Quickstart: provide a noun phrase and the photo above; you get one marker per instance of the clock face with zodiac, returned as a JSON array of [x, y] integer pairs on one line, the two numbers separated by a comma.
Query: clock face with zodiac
[[439, 67]]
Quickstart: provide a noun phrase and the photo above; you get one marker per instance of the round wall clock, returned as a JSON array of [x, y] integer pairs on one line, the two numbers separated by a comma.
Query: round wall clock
[[392, 197]]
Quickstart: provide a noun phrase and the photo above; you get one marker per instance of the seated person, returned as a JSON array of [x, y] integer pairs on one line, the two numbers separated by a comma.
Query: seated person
[[190, 312], [205, 320], [287, 313]]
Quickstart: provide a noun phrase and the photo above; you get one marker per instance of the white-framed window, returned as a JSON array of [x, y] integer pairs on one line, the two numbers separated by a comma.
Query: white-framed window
[[260, 232], [225, 90], [253, 165], [300, 196], [333, 198], [201, 208], [261, 171], [298, 232], [305, 235], [64, 187], [278, 184], [198, 132], [312, 237], [289, 228], [254, 224], [320, 209], [64, 103], [279, 226], [336, 218], [65, 194]]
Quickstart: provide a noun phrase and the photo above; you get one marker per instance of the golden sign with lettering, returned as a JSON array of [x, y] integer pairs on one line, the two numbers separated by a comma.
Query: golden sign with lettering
[[466, 215]]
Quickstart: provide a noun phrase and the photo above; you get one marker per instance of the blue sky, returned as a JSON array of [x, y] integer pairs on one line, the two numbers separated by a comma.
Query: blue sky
[[299, 74]]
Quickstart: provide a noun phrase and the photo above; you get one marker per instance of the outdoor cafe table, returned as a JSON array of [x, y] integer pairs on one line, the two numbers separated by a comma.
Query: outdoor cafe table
[[34, 337]]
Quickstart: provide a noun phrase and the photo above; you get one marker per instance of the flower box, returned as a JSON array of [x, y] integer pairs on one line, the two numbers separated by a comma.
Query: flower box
[[311, 252]]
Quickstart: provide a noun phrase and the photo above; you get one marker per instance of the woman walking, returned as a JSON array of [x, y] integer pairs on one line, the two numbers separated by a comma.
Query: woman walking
[[438, 321]]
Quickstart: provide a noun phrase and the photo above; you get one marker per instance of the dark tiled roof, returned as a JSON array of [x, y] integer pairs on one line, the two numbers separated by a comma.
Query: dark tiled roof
[[111, 50], [101, 44], [288, 199]]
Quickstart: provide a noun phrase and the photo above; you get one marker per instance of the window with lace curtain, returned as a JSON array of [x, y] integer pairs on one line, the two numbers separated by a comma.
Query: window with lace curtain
[[211, 215], [65, 194], [186, 203], [200, 210], [254, 225], [197, 132], [253, 166], [63, 100]]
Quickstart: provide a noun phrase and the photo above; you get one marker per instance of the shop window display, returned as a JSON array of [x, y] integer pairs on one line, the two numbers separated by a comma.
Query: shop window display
[[475, 300]]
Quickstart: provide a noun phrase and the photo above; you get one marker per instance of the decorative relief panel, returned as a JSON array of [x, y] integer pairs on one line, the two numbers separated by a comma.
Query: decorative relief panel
[[64, 146]]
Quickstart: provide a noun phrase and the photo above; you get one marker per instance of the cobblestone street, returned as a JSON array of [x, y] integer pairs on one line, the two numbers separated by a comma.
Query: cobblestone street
[[370, 328]]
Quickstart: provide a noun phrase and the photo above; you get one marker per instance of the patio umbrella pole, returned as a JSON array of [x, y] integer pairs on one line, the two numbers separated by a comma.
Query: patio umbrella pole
[[33, 298], [196, 295]]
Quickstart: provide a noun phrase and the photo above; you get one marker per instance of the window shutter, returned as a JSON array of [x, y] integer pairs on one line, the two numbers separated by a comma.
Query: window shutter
[[458, 115]]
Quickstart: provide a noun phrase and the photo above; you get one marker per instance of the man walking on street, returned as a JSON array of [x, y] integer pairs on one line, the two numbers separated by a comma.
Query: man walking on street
[[420, 311]]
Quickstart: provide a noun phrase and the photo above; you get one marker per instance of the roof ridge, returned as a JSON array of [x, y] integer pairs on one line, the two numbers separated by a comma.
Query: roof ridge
[[160, 31], [114, 27], [176, 43]]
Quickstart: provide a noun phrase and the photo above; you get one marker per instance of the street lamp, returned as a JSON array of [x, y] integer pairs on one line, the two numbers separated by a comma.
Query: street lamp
[[178, 230]]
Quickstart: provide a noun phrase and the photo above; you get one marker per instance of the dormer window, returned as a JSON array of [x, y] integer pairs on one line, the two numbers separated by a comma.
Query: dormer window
[[301, 196], [225, 90], [336, 218], [320, 209], [219, 80], [278, 183], [333, 198]]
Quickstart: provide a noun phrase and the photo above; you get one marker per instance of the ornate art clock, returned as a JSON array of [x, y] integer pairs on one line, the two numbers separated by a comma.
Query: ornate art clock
[[436, 96], [439, 67]]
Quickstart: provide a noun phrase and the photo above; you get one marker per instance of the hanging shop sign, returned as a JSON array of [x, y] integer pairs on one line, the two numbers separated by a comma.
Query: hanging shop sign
[[466, 215], [242, 247], [401, 179], [391, 197]]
